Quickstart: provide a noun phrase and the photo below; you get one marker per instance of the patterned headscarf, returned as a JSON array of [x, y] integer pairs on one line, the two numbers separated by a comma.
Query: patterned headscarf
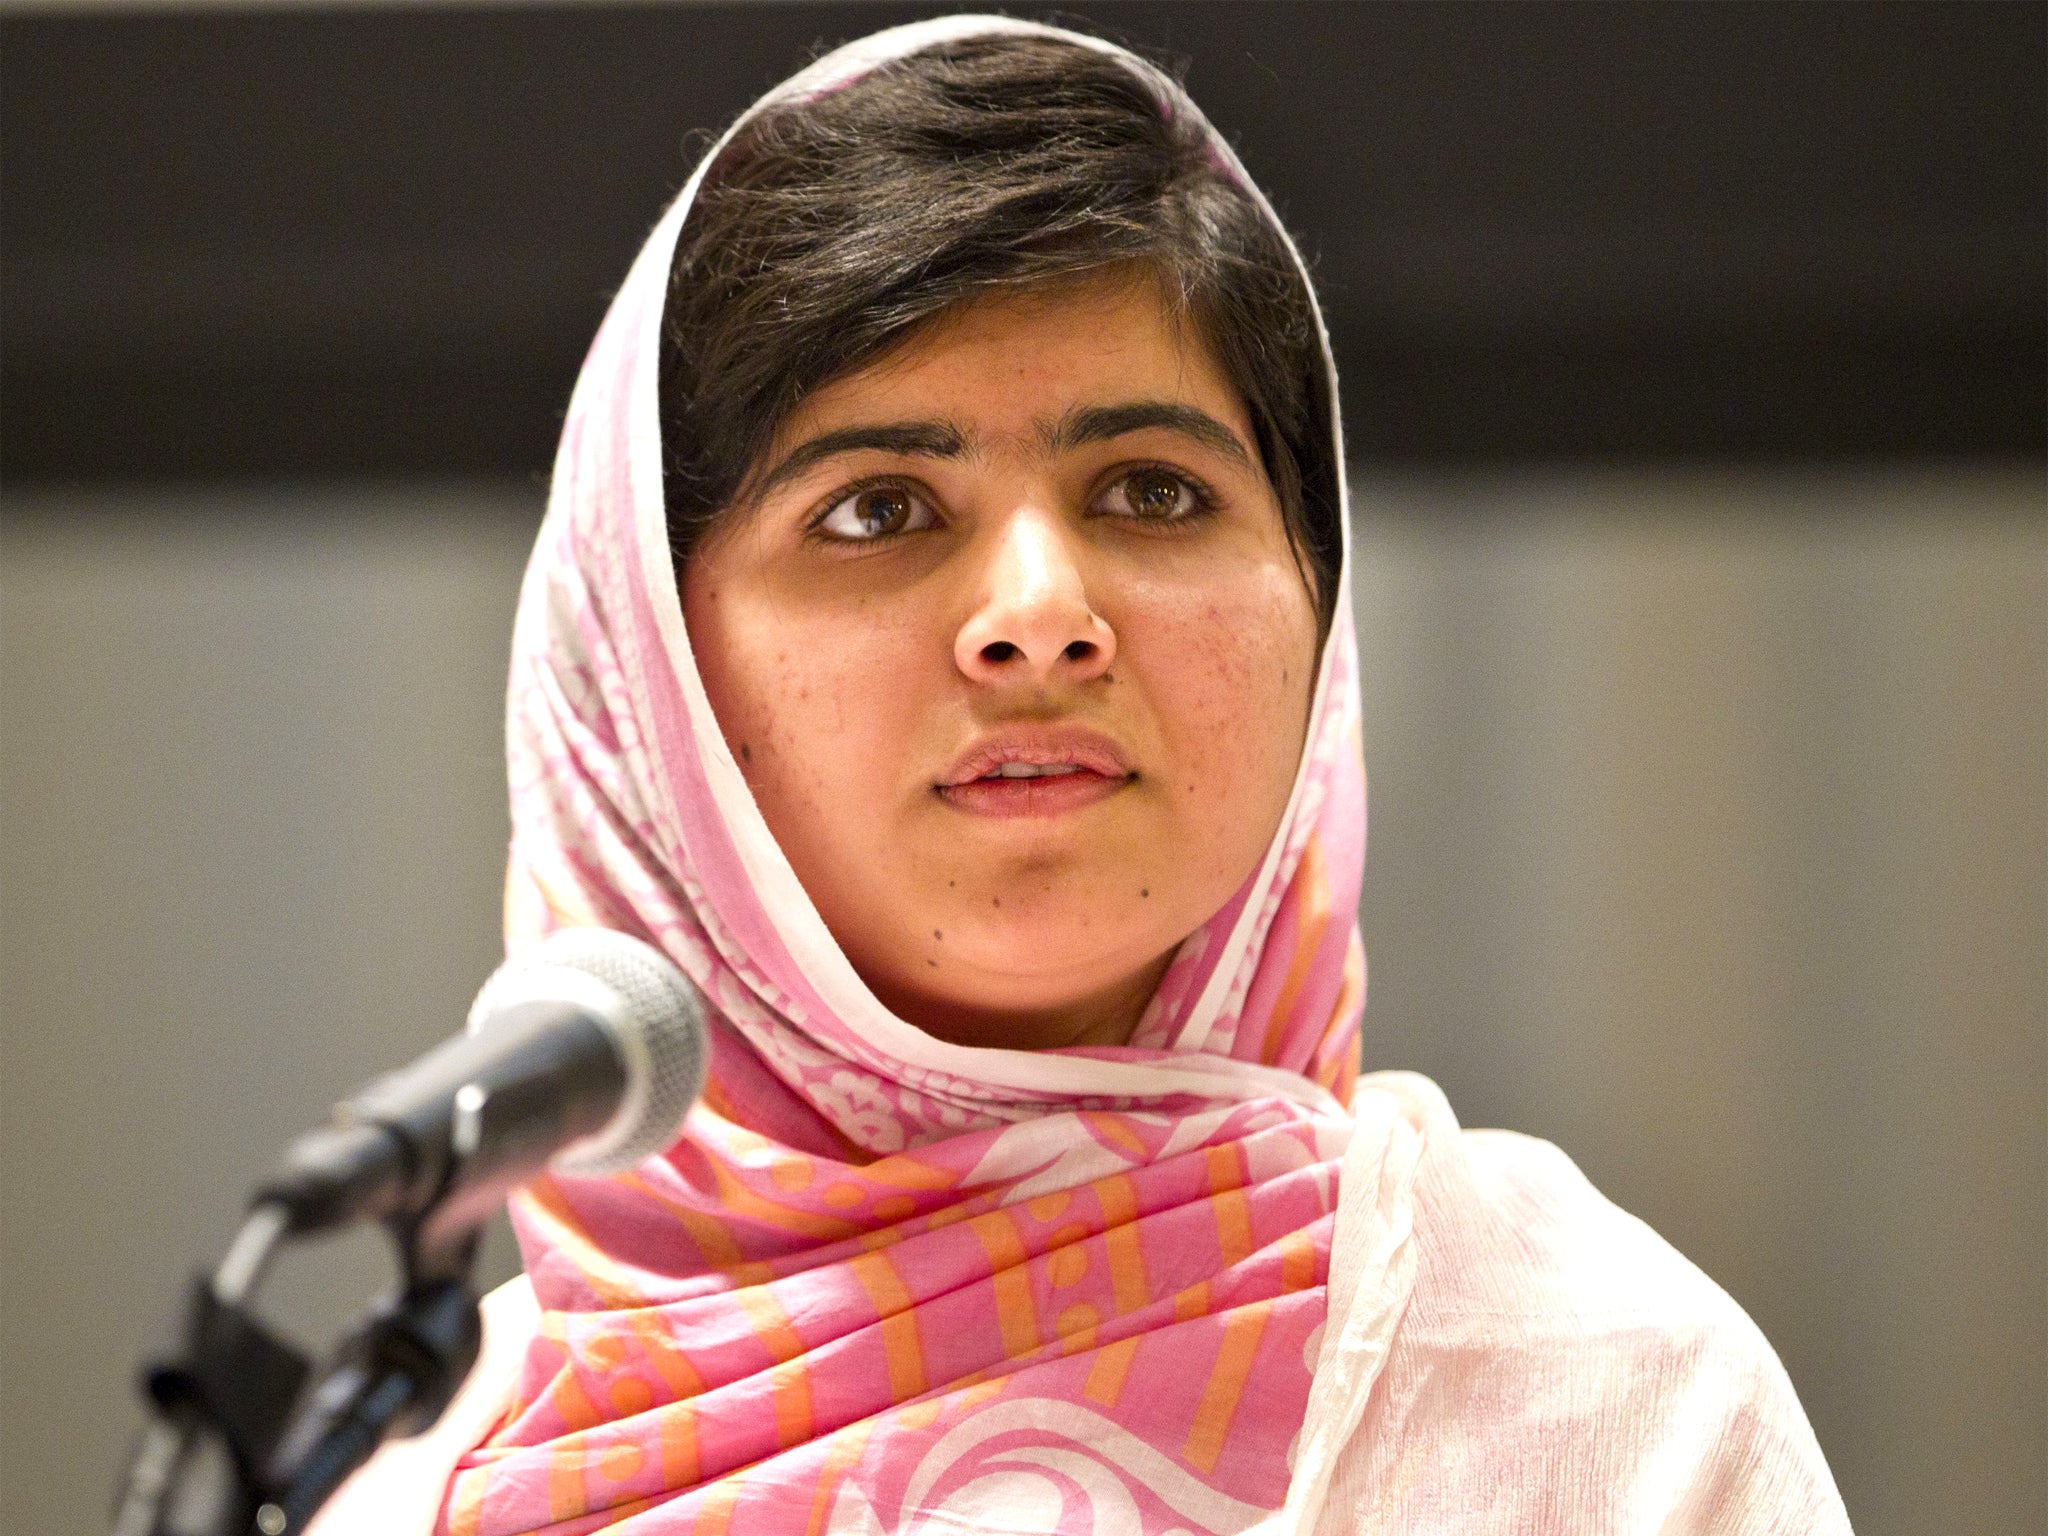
[[884, 1282]]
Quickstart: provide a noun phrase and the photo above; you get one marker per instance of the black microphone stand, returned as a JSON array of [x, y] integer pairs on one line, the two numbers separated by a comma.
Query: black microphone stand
[[238, 1443]]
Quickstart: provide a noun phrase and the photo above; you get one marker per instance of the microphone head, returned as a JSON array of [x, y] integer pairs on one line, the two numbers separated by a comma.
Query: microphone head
[[654, 1016]]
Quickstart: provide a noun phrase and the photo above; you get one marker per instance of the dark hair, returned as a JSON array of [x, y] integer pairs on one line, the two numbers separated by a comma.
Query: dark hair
[[830, 229]]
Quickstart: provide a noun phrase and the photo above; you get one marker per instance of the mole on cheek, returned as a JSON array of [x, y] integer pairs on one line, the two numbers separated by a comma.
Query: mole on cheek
[[746, 753]]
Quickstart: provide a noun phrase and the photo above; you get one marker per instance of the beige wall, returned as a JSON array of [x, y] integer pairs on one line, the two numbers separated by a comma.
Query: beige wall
[[1708, 840], [251, 780]]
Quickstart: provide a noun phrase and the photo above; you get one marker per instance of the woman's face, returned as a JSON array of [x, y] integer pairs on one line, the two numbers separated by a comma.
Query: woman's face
[[1013, 650]]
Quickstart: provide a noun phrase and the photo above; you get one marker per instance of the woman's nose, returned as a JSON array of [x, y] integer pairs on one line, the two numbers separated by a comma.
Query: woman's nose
[[1034, 624]]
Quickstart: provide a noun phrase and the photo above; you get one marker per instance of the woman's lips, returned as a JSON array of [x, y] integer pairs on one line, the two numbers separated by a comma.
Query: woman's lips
[[1036, 771], [1051, 795]]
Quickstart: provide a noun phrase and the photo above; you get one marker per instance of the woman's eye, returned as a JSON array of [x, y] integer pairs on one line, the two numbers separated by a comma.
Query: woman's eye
[[874, 513], [1151, 495]]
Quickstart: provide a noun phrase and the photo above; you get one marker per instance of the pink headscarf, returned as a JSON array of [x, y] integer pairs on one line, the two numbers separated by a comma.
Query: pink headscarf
[[883, 1282]]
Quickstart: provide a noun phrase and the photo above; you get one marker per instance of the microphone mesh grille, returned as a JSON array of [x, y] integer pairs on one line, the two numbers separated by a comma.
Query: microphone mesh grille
[[663, 1011]]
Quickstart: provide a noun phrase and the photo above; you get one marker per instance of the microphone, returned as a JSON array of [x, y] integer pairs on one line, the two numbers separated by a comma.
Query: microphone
[[582, 1055]]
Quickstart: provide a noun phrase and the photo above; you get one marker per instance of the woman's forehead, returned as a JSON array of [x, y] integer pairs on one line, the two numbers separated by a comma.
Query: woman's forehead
[[1049, 369]]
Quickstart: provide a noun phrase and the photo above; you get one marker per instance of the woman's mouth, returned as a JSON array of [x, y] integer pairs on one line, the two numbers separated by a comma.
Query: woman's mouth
[[1035, 772]]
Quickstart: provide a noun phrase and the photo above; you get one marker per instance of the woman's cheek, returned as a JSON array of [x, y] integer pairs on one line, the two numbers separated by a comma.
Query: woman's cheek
[[1231, 674], [765, 689], [835, 718]]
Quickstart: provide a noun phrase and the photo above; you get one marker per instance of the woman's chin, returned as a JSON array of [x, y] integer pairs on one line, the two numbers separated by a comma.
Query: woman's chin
[[1061, 1004]]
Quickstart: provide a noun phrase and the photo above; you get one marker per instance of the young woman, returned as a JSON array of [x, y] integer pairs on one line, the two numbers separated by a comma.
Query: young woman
[[939, 645]]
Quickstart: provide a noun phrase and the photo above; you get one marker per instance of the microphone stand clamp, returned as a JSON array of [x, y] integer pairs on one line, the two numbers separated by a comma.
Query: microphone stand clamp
[[237, 1443]]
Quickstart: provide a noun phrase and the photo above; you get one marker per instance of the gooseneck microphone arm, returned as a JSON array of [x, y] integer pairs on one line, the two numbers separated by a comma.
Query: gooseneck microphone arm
[[582, 1055]]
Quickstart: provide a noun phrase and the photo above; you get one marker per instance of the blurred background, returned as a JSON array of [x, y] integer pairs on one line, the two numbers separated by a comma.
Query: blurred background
[[1694, 363]]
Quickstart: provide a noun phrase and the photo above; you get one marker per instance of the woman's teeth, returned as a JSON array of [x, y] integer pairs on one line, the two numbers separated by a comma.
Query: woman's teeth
[[1031, 770]]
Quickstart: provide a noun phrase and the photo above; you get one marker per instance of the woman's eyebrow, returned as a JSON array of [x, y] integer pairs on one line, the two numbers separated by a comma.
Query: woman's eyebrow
[[1100, 423], [918, 439]]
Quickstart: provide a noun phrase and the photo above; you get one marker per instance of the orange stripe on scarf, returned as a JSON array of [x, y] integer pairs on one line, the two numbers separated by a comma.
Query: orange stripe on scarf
[[789, 1380], [1016, 1308], [1119, 1200], [1241, 1331], [610, 1281], [1232, 1206], [1312, 920], [902, 1349]]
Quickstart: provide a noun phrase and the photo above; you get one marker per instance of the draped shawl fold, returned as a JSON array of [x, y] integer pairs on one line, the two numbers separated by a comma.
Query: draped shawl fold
[[886, 1283]]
